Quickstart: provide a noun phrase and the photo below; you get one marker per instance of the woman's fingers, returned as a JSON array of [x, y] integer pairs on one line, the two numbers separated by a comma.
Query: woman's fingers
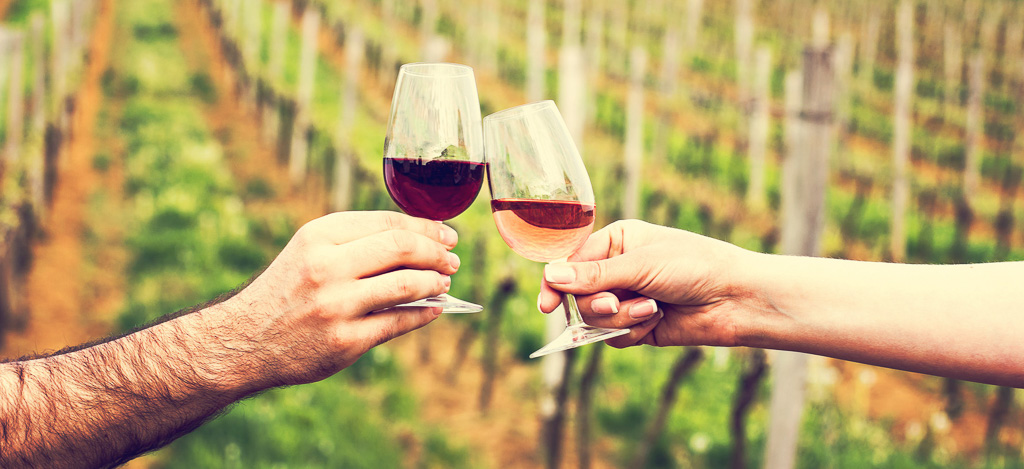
[[630, 312], [641, 333]]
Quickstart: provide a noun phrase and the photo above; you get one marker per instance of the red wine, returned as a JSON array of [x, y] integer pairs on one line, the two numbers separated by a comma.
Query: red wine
[[434, 189], [543, 230]]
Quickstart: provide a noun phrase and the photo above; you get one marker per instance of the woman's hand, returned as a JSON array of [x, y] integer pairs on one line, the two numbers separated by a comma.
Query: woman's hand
[[669, 286]]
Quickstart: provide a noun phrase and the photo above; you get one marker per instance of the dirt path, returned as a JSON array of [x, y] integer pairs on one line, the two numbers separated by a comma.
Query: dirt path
[[60, 292]]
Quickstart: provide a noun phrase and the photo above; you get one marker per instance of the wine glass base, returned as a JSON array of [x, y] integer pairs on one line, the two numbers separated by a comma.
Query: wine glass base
[[450, 304], [577, 336]]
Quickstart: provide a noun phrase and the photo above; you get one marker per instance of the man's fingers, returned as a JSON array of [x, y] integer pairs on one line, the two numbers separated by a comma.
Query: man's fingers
[[344, 227], [382, 326], [394, 249], [398, 287]]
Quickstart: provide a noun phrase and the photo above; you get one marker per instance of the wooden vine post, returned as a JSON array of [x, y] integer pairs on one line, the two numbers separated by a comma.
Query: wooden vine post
[[341, 195], [744, 30], [902, 129], [759, 122], [802, 226], [536, 64], [974, 131], [869, 45], [952, 55], [37, 122], [304, 98], [595, 42], [275, 70], [15, 65], [634, 146], [694, 17], [557, 367], [491, 23]]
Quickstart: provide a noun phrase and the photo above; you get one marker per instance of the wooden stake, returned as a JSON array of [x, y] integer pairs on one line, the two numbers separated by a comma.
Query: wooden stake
[[15, 99], [275, 71], [491, 29], [869, 46], [975, 127], [342, 194], [802, 230], [902, 129], [634, 146], [756, 197], [952, 66], [304, 98], [694, 21], [36, 165], [595, 39], [536, 51], [744, 45]]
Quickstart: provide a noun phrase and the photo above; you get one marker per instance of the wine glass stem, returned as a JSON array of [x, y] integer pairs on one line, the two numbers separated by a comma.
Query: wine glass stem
[[572, 313]]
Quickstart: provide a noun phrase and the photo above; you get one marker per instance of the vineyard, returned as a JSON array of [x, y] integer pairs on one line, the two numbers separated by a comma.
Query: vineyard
[[157, 153]]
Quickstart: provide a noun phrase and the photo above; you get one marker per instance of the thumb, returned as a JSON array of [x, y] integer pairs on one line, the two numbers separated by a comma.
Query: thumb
[[626, 272]]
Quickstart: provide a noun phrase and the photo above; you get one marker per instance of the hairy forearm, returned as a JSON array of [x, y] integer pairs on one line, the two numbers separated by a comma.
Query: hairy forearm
[[102, 405], [963, 321]]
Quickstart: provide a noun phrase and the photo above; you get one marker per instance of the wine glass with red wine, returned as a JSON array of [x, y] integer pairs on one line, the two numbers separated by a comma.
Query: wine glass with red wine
[[433, 151], [541, 199]]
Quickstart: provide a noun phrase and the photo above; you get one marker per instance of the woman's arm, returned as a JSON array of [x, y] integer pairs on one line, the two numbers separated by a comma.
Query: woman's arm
[[964, 321]]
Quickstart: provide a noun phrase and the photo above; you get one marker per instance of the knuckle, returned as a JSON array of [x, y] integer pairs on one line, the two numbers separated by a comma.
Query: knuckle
[[402, 287], [390, 221], [402, 242], [315, 269], [593, 273]]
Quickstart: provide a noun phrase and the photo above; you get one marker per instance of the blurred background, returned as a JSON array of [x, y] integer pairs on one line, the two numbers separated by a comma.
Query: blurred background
[[156, 153]]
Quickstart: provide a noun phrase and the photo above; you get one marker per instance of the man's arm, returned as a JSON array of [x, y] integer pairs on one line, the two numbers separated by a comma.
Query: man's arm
[[314, 311]]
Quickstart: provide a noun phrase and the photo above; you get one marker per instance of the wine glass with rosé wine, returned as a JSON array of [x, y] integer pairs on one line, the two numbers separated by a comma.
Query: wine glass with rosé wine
[[542, 200], [433, 151]]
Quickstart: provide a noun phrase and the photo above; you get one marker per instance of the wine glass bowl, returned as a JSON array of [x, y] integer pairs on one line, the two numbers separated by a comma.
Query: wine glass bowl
[[433, 151], [541, 199]]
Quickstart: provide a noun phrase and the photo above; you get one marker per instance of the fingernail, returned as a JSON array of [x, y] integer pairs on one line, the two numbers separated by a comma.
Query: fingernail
[[448, 235], [605, 306], [447, 281], [559, 273], [538, 303], [453, 259], [643, 309]]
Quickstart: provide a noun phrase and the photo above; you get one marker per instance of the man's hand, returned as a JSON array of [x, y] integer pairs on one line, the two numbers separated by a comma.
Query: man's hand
[[321, 304], [318, 307], [669, 286]]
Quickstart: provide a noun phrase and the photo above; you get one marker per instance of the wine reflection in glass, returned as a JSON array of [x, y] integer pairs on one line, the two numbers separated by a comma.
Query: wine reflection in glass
[[542, 200], [433, 151]]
